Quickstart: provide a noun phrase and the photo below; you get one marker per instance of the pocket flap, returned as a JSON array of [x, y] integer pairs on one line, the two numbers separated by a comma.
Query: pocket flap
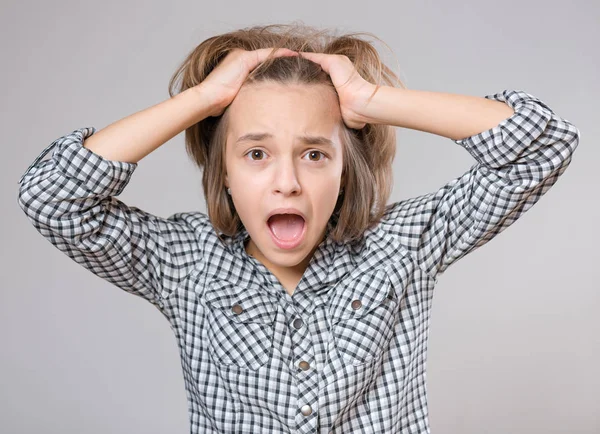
[[242, 305], [360, 293]]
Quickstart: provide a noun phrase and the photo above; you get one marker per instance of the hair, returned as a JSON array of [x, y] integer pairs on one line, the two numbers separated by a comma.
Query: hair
[[368, 153]]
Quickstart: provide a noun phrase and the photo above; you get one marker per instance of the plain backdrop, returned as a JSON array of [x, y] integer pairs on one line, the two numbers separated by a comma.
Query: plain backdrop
[[514, 344]]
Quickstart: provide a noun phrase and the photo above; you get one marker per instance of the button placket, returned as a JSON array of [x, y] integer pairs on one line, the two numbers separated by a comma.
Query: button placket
[[303, 364], [306, 377]]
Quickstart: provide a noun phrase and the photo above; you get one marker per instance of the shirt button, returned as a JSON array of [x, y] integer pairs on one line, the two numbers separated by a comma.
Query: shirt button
[[356, 304], [306, 410], [298, 323], [304, 365], [237, 309]]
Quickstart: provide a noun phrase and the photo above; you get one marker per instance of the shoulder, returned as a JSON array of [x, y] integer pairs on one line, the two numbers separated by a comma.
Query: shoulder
[[394, 233], [194, 219]]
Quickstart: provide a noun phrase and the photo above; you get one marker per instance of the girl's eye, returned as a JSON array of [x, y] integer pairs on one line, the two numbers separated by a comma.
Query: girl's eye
[[316, 154], [255, 152]]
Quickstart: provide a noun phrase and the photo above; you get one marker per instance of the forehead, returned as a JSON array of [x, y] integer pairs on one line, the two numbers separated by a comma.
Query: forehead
[[284, 109]]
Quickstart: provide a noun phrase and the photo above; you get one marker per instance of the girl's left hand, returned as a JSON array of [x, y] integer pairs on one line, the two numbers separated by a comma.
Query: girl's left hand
[[353, 90]]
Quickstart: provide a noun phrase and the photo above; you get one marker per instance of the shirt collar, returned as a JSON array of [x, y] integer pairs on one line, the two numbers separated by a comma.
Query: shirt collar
[[320, 273]]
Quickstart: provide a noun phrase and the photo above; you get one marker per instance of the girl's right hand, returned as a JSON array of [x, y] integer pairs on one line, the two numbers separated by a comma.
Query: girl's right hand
[[225, 80]]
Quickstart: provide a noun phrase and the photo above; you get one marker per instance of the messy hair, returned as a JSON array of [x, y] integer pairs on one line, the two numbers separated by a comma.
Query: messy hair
[[368, 153]]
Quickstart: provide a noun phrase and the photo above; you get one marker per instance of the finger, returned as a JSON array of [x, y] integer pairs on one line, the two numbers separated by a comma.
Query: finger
[[263, 53], [259, 55], [312, 55], [319, 58]]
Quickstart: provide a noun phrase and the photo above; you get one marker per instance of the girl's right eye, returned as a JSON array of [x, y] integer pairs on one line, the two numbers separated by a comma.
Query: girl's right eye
[[255, 152]]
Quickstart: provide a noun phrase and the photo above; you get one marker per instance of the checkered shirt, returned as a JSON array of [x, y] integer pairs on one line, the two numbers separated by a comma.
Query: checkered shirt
[[346, 353]]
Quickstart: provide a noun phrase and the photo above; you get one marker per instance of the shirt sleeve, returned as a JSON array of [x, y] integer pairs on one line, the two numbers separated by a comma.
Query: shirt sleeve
[[70, 199], [517, 161]]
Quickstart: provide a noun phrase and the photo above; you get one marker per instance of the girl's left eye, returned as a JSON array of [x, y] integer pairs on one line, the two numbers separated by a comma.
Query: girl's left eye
[[312, 153]]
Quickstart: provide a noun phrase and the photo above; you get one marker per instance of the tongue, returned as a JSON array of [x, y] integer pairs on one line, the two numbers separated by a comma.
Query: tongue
[[286, 226]]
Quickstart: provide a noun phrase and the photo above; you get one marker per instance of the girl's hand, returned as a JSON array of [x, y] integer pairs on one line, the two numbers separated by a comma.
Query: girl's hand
[[353, 90], [225, 80]]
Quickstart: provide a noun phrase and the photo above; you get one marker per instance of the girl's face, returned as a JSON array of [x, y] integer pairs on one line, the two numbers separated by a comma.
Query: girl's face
[[283, 151]]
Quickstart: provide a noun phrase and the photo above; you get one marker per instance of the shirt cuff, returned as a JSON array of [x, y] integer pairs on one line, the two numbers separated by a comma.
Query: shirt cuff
[[504, 143], [100, 175]]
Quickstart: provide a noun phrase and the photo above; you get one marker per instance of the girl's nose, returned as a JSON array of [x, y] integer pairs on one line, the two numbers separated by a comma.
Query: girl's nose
[[286, 179]]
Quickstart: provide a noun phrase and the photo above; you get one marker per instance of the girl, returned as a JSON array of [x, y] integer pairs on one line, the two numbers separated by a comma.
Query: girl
[[300, 302]]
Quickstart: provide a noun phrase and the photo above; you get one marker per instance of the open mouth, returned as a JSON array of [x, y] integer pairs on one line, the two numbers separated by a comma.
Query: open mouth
[[287, 230]]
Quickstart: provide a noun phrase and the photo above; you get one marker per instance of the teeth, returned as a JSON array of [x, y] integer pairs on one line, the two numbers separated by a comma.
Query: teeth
[[287, 214]]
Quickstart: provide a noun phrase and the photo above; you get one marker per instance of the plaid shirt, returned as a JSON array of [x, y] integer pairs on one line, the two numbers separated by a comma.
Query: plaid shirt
[[347, 351]]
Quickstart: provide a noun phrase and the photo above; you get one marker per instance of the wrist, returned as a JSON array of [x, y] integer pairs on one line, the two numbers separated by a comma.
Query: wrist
[[367, 107], [209, 102]]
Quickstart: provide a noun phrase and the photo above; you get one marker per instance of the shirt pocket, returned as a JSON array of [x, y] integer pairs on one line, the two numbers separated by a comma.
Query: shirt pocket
[[240, 325], [363, 313]]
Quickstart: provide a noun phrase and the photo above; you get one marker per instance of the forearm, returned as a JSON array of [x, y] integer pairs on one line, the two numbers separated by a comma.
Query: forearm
[[135, 136], [449, 115]]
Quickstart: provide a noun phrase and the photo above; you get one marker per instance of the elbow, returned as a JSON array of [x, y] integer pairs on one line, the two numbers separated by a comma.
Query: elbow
[[25, 199], [569, 134], [574, 141], [571, 142], [566, 139]]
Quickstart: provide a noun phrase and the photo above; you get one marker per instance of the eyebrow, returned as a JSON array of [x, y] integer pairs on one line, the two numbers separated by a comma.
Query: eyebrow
[[308, 139]]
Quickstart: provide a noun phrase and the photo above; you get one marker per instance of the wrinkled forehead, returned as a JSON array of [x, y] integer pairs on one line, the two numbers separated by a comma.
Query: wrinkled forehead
[[284, 110]]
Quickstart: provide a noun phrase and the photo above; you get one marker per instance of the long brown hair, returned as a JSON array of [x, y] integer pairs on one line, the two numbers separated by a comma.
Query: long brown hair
[[368, 152]]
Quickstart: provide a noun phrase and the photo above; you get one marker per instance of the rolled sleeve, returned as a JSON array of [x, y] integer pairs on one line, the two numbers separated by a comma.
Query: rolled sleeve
[[70, 200], [517, 161], [95, 173]]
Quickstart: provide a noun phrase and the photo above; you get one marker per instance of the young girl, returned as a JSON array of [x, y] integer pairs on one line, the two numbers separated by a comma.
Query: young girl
[[300, 302]]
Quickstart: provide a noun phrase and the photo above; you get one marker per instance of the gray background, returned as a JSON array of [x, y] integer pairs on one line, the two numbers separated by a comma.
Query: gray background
[[514, 343]]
